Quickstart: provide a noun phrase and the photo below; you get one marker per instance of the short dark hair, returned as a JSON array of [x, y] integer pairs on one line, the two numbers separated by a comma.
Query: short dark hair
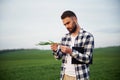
[[68, 13]]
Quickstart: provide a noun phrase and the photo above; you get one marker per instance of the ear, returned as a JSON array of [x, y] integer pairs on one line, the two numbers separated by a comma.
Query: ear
[[75, 19]]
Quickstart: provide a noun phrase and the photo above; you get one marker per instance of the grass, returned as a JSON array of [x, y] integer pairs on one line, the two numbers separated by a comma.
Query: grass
[[106, 64], [28, 65], [41, 65]]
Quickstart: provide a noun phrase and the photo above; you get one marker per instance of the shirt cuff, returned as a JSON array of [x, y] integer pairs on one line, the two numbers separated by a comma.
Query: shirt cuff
[[55, 52]]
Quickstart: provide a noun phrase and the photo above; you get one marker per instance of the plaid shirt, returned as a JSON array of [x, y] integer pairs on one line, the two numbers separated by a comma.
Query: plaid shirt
[[85, 40]]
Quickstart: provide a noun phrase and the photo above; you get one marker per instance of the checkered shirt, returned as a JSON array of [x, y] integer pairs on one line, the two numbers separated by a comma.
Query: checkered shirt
[[84, 39]]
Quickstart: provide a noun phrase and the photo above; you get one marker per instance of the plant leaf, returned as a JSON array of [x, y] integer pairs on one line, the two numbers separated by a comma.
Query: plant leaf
[[46, 43]]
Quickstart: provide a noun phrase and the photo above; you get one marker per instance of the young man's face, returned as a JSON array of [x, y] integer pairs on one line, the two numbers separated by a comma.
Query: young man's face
[[70, 24]]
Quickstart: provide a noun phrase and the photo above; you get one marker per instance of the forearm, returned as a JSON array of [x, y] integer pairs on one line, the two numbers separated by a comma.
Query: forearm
[[84, 58]]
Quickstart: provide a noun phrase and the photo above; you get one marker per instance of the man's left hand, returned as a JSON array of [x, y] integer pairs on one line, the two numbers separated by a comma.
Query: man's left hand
[[66, 50]]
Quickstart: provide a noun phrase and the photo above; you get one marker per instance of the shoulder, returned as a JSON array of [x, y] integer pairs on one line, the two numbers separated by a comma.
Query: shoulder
[[86, 33], [65, 36]]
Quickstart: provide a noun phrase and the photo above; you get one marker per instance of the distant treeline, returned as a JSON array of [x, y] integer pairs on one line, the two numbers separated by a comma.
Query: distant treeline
[[13, 50]]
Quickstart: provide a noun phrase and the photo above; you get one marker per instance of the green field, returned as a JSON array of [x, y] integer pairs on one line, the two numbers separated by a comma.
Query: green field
[[41, 65]]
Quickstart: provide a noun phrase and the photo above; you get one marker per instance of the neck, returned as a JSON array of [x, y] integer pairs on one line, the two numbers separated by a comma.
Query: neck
[[76, 32]]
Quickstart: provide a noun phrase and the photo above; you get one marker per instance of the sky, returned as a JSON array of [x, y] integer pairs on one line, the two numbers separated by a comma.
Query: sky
[[24, 23]]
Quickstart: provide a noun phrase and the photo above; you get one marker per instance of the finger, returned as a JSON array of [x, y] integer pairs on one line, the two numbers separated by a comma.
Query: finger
[[62, 47]]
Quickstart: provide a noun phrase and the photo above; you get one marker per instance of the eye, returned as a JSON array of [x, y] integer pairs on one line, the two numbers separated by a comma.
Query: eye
[[67, 22]]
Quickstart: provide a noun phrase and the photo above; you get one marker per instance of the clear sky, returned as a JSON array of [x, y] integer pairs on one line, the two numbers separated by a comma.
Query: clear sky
[[23, 23]]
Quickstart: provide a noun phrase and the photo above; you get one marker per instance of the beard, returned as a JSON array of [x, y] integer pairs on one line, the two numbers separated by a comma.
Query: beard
[[73, 29]]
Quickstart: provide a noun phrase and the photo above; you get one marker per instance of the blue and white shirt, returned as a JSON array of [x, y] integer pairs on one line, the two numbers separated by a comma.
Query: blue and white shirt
[[84, 40]]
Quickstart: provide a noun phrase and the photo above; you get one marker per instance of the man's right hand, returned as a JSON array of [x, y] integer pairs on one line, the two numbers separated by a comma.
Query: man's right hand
[[54, 47]]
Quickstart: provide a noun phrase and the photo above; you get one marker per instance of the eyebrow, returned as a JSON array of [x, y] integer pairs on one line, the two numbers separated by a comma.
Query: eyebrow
[[67, 23]]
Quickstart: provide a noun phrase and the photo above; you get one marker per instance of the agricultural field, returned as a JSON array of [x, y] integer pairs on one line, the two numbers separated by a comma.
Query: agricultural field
[[33, 64]]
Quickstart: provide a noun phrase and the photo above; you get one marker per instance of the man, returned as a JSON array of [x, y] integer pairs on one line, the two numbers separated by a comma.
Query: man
[[75, 49]]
